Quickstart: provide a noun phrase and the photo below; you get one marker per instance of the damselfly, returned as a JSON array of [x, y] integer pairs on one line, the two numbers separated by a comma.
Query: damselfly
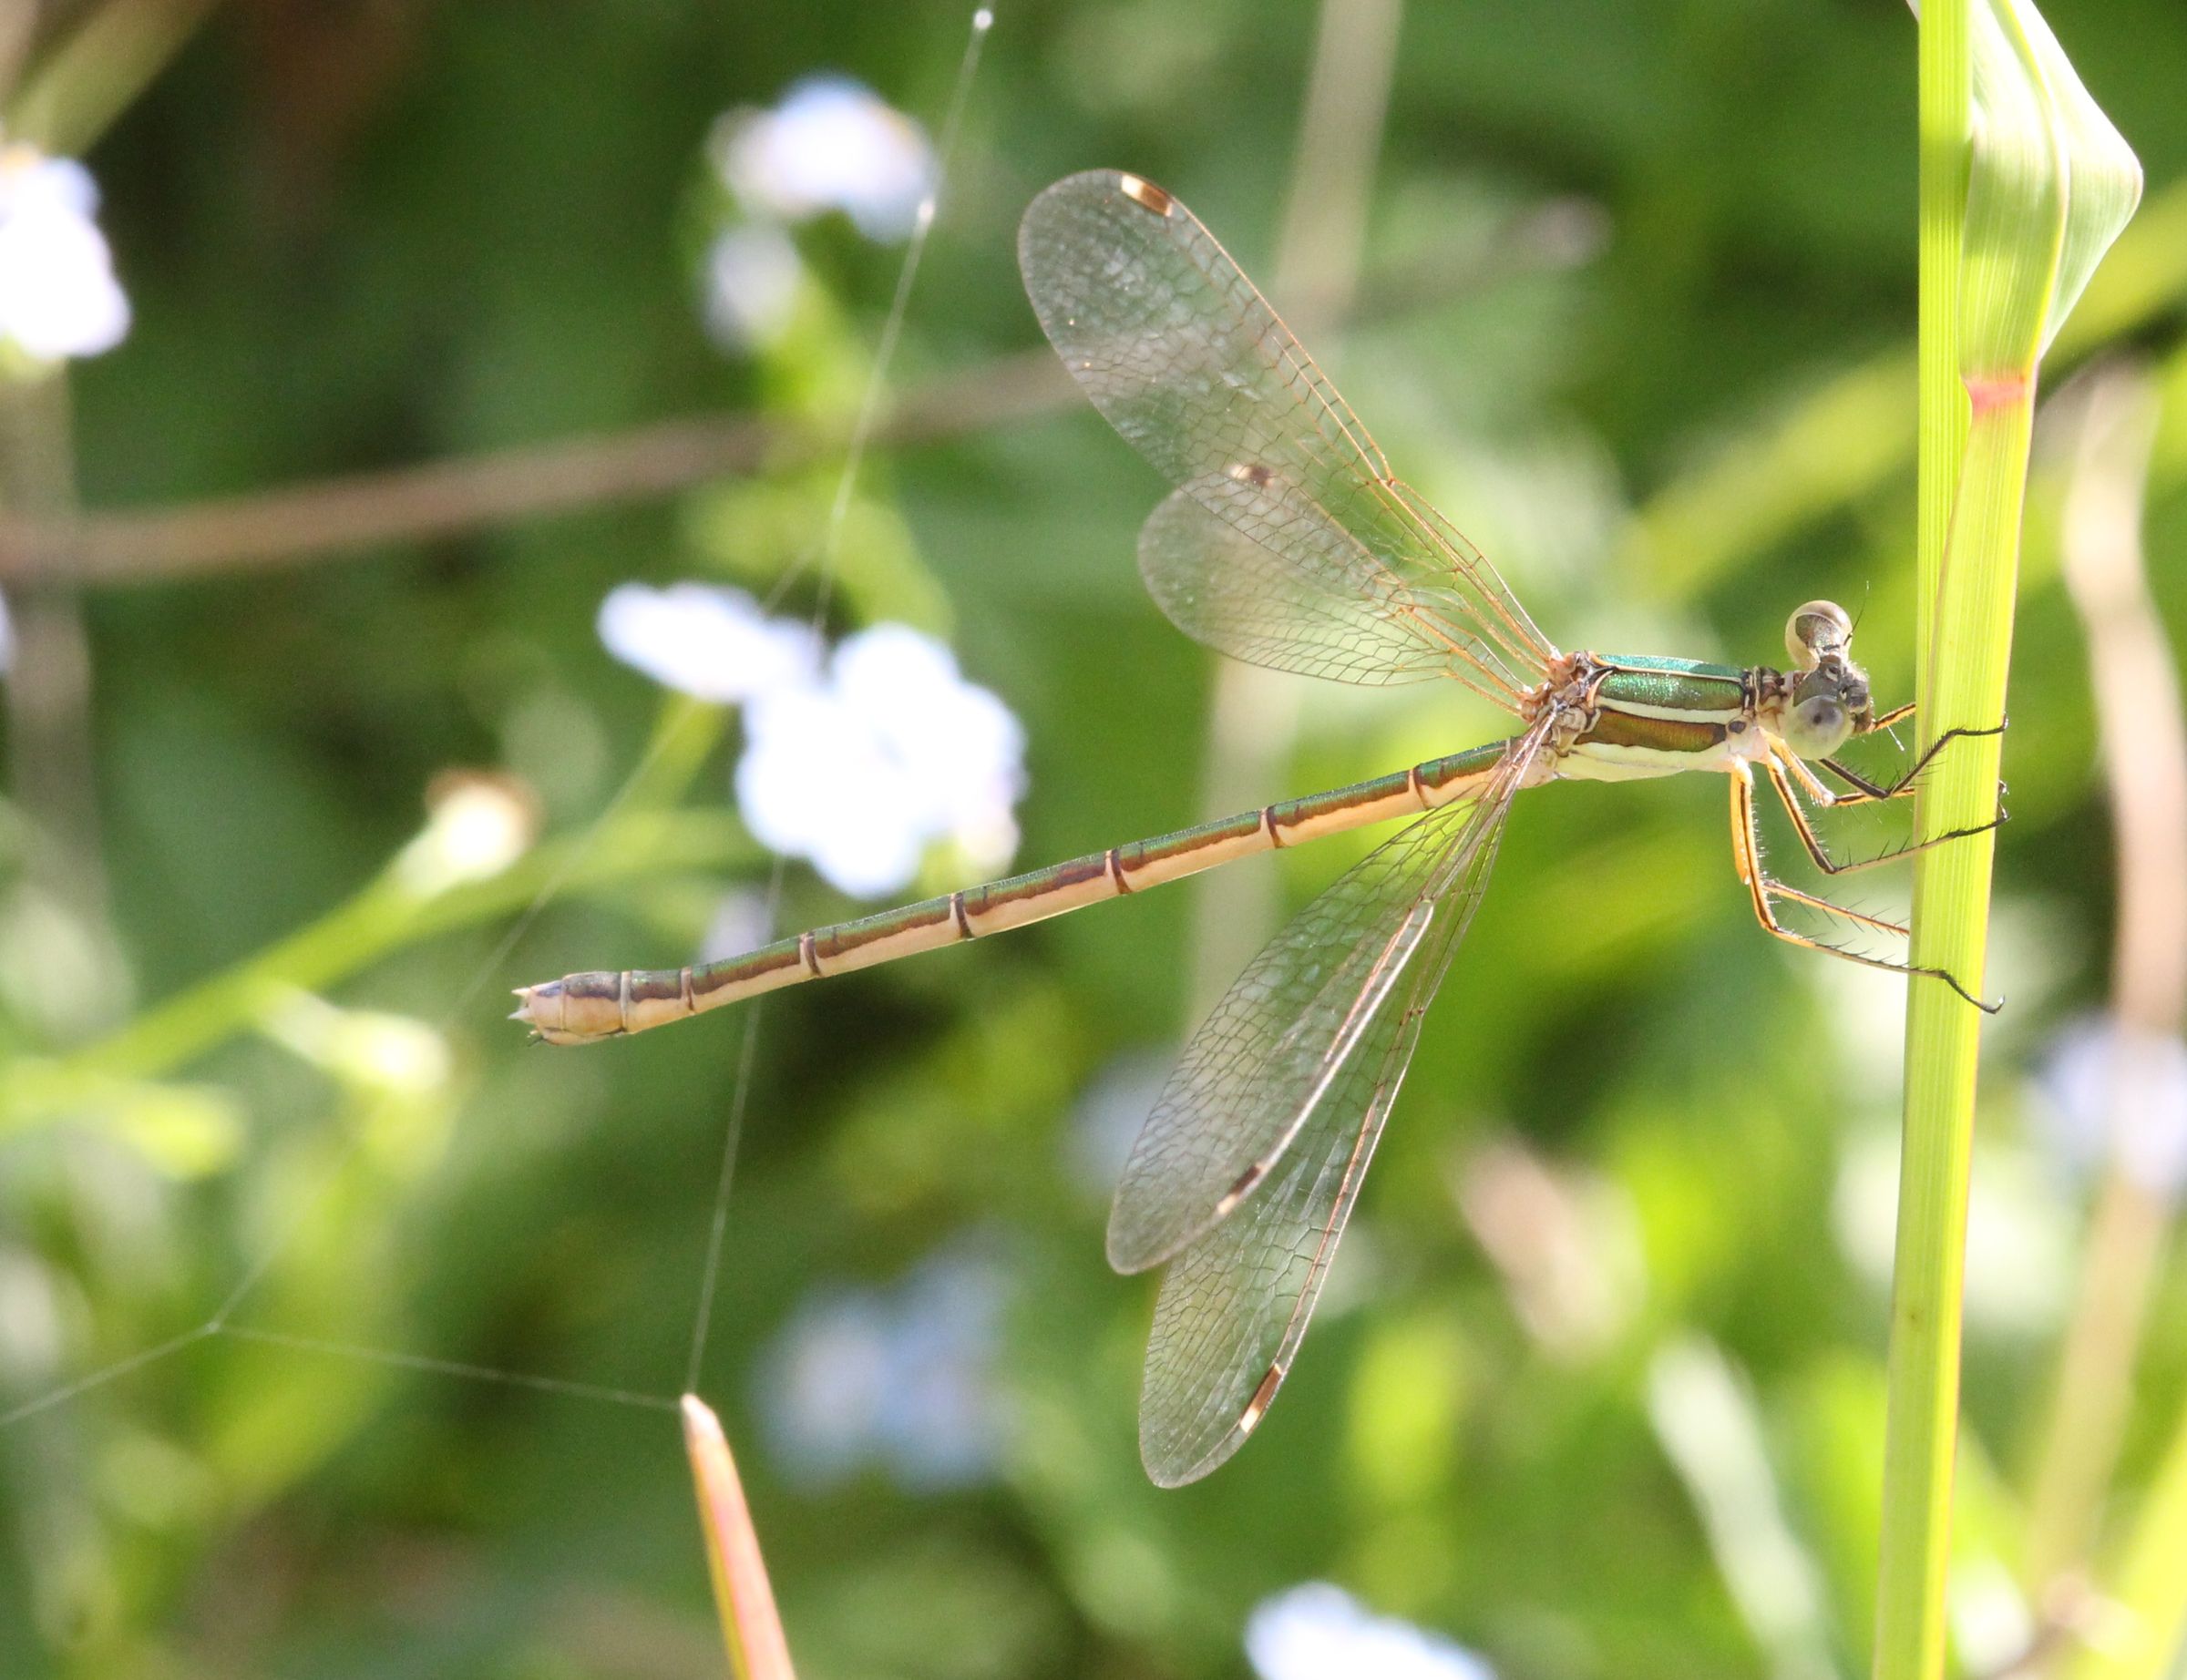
[[1287, 542]]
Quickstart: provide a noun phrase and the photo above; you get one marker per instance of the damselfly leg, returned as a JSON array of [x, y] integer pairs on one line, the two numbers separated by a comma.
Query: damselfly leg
[[1864, 789], [1765, 892], [1785, 771]]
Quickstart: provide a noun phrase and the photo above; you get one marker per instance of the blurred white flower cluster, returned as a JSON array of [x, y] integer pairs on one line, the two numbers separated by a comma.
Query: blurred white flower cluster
[[2114, 1093], [900, 1377], [856, 760], [753, 274], [58, 296], [1317, 1631], [706, 641], [832, 144]]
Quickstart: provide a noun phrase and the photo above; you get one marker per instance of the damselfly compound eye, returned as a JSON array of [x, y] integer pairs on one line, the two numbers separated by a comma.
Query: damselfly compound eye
[[1819, 726], [1819, 627]]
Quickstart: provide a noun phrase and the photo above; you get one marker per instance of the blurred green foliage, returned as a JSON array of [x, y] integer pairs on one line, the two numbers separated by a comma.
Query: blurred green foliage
[[363, 237]]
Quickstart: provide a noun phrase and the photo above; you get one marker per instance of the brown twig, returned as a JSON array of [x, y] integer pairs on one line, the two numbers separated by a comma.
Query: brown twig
[[449, 498], [441, 499]]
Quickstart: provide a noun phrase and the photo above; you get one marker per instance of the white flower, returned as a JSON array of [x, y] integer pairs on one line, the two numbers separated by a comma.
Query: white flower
[[753, 276], [893, 752], [58, 296], [1317, 1631], [858, 767], [903, 1377], [706, 641], [815, 782], [831, 144]]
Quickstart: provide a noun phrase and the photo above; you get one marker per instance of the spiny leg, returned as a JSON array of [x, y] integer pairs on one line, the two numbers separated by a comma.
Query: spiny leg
[[1806, 778], [1813, 842], [1746, 858], [1864, 790], [1793, 895]]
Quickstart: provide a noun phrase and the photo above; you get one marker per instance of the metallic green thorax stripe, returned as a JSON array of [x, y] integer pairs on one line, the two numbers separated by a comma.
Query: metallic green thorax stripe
[[1673, 687], [1677, 668], [1613, 728]]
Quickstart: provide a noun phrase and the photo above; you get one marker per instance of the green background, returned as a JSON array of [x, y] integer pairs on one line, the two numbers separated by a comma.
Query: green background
[[1637, 314]]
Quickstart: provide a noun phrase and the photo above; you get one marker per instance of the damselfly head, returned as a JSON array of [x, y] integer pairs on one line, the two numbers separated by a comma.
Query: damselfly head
[[1826, 695], [1827, 705]]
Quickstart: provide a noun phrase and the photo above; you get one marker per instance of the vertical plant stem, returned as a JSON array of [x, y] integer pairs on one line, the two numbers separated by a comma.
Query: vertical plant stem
[[1946, 101], [48, 705], [1924, 1380], [1951, 909], [2013, 221], [88, 79]]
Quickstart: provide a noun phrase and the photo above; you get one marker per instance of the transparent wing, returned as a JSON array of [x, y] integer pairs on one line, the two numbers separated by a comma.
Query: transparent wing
[[1236, 1302], [1223, 586], [1190, 365], [1233, 1306], [1270, 1052]]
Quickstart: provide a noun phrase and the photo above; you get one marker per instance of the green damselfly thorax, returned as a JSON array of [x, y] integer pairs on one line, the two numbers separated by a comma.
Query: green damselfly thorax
[[1289, 543]]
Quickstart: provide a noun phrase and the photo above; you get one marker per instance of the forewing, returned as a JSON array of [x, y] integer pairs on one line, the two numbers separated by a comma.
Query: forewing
[[1190, 365], [1234, 1303]]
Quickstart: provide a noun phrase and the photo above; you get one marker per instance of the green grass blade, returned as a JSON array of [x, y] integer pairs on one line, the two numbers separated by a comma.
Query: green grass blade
[[2045, 176]]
